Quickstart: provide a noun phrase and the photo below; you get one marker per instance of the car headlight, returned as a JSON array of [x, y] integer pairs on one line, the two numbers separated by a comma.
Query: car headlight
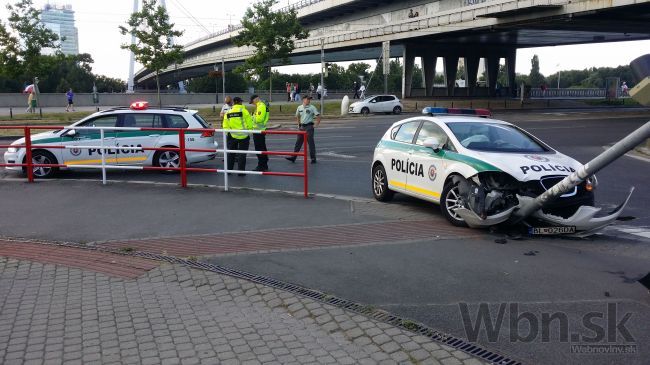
[[12, 149], [591, 182]]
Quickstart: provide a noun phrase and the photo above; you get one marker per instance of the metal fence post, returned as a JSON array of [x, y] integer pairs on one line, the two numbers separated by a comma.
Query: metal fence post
[[306, 178], [101, 136], [225, 160], [181, 142], [11, 113], [28, 156]]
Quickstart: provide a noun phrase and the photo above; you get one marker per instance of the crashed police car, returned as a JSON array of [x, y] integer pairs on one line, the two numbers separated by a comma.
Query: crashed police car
[[83, 145], [480, 171]]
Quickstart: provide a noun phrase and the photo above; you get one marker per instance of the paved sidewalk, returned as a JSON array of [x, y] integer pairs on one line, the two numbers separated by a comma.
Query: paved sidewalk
[[52, 313]]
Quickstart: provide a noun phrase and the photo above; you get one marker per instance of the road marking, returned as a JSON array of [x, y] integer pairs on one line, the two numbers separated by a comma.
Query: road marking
[[334, 154], [637, 231]]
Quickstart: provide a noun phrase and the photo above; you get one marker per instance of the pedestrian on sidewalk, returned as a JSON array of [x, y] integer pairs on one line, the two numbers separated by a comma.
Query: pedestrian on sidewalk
[[305, 115], [298, 90], [227, 105], [260, 118], [355, 87], [31, 103], [70, 96], [237, 118], [319, 91], [288, 86]]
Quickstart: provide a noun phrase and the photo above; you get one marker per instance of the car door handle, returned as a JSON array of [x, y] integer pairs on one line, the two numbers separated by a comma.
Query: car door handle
[[154, 135]]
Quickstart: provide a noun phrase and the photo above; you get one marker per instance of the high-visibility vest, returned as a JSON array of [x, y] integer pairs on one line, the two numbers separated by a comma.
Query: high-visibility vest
[[238, 118], [261, 116]]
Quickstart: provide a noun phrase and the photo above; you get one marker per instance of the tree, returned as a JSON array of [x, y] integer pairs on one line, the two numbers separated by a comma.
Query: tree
[[271, 33], [535, 78], [20, 47], [153, 33]]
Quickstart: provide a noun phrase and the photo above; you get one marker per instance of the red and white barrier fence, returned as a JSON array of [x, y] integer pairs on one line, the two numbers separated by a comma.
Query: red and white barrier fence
[[30, 164]]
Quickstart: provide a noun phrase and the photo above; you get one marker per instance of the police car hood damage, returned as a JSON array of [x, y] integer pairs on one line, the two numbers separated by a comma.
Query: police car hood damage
[[491, 197]]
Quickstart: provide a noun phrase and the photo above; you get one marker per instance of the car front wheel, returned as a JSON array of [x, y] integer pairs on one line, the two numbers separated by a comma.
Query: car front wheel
[[43, 158], [451, 201], [380, 184], [365, 111]]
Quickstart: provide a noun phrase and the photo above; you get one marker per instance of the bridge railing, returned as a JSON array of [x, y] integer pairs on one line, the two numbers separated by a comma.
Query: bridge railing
[[231, 28], [566, 93]]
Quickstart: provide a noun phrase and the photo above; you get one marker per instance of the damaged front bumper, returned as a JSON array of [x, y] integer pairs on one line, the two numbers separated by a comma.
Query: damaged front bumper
[[584, 219]]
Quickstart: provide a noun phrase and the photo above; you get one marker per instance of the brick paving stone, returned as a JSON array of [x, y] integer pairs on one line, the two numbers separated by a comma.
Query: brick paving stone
[[171, 314]]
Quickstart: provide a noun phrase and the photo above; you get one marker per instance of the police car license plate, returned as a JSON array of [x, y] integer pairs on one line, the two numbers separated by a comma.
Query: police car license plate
[[552, 230]]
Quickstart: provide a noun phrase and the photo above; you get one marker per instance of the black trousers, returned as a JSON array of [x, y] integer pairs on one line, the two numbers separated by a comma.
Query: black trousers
[[310, 140], [259, 140], [356, 94], [237, 144]]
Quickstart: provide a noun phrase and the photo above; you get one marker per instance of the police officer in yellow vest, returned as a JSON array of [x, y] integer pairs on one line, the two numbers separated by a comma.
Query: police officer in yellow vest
[[260, 118], [237, 118]]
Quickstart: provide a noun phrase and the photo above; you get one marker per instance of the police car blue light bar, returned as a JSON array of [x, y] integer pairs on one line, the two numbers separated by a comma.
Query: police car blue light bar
[[456, 111]]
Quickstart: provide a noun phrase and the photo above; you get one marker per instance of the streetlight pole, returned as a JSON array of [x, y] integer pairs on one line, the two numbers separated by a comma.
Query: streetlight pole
[[559, 73], [322, 78], [223, 79], [216, 83]]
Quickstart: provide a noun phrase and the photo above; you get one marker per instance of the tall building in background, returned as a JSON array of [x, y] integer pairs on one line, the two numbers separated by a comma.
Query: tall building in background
[[60, 19]]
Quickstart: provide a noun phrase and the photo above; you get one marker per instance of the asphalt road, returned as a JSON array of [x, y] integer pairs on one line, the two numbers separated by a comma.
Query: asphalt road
[[345, 150], [426, 281]]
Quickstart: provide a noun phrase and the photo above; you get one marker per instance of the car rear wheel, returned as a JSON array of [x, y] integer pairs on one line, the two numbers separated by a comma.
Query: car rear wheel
[[397, 110], [450, 201], [365, 111], [45, 158], [380, 188], [168, 159]]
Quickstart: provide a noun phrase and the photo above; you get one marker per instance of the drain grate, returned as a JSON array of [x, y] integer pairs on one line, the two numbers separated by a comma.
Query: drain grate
[[365, 310]]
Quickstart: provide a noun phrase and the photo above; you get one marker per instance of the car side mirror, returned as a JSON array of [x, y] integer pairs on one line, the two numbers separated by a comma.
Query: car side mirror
[[432, 143], [70, 133]]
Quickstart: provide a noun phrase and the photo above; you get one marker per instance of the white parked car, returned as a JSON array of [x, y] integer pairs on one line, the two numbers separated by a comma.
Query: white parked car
[[377, 104], [139, 115], [480, 171]]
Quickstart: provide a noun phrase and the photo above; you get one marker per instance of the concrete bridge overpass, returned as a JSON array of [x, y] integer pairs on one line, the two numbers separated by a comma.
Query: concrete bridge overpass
[[352, 30]]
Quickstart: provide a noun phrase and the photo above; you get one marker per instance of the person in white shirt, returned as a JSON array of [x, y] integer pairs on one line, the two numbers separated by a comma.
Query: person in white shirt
[[319, 91], [227, 105]]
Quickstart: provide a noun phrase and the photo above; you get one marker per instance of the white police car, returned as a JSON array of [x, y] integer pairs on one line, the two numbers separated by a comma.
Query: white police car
[[138, 115], [479, 171]]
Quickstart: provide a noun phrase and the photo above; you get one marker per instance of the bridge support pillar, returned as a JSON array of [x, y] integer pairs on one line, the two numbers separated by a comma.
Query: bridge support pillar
[[511, 61], [429, 64], [492, 66], [407, 71], [451, 69], [471, 70]]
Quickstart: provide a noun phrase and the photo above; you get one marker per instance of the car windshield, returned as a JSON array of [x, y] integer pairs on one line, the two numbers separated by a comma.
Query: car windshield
[[369, 97], [492, 137]]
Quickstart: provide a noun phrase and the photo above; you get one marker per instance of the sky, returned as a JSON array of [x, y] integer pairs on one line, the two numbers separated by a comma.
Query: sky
[[98, 20]]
